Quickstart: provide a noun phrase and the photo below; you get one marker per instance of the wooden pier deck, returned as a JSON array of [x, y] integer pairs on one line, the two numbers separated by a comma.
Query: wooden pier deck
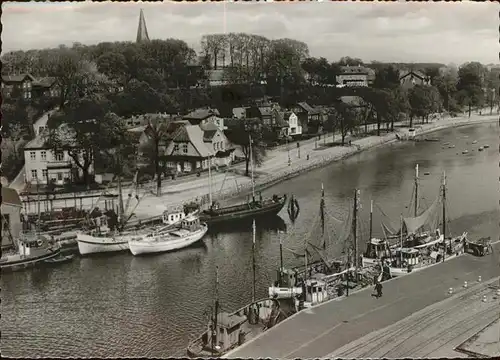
[[321, 330]]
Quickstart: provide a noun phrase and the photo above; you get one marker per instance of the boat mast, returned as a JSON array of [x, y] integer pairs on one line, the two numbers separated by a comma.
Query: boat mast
[[322, 209], [209, 181], [216, 309], [253, 261], [355, 235], [120, 201], [444, 213], [251, 165], [416, 190], [281, 259], [371, 220], [401, 240]]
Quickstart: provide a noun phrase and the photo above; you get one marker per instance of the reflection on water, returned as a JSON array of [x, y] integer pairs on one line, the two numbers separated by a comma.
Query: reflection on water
[[122, 305]]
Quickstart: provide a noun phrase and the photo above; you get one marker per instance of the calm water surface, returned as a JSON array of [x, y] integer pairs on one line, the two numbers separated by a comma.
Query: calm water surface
[[122, 305]]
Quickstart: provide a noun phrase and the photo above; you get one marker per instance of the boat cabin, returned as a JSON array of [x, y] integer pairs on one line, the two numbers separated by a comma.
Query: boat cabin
[[29, 243], [377, 249], [408, 256], [315, 292], [172, 217], [229, 331], [190, 223]]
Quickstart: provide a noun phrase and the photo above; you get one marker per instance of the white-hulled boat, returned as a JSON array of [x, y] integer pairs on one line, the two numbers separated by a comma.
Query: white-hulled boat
[[100, 242], [189, 231]]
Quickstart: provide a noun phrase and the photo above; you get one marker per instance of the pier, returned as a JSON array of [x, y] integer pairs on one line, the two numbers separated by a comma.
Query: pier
[[324, 330]]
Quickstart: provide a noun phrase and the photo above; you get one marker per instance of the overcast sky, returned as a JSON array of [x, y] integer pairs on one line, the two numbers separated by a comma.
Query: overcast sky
[[402, 32]]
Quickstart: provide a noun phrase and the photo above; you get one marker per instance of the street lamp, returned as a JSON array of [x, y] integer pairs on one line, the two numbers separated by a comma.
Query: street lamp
[[288, 151]]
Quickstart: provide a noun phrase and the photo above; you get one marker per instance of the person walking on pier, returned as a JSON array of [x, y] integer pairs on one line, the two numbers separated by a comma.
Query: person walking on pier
[[378, 289]]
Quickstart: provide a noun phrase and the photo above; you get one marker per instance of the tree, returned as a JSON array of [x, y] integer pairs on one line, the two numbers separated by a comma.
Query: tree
[[156, 131], [348, 61], [470, 85], [84, 128], [387, 78], [346, 119], [241, 133], [424, 100]]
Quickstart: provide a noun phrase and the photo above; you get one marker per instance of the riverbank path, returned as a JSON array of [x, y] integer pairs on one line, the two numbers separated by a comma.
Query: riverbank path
[[275, 165], [321, 330]]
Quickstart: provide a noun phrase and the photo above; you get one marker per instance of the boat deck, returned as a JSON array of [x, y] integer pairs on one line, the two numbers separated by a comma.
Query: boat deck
[[251, 332], [319, 331]]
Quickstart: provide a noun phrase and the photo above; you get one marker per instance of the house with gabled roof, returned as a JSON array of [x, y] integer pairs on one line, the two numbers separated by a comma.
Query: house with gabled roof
[[204, 116], [410, 78], [193, 147], [46, 87], [17, 85], [309, 117], [356, 76]]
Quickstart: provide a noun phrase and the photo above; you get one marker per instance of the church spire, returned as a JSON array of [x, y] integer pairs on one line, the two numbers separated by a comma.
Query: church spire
[[142, 30]]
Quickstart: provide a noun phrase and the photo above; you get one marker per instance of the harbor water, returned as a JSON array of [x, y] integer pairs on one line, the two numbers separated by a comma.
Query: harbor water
[[123, 306]]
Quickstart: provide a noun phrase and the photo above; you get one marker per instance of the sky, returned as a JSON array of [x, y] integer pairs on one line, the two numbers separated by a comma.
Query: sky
[[388, 32]]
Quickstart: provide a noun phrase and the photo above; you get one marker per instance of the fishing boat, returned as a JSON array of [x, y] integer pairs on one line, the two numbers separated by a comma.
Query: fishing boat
[[106, 233], [416, 250], [32, 250], [253, 207], [228, 330], [186, 233], [322, 262]]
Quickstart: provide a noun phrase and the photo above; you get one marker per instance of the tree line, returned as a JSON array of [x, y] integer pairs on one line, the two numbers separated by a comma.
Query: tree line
[[110, 81]]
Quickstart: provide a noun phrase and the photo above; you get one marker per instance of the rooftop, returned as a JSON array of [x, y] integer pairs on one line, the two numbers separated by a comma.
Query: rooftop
[[194, 135], [17, 78], [201, 114]]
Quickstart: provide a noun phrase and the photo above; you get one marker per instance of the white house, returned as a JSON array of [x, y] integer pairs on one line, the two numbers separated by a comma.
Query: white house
[[43, 165], [353, 76], [294, 127]]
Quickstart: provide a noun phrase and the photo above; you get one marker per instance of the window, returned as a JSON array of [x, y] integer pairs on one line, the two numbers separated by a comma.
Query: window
[[185, 148], [59, 156], [32, 155], [176, 147], [43, 153], [45, 174], [59, 176], [33, 174]]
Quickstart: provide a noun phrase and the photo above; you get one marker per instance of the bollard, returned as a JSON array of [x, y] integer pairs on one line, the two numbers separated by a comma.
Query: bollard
[[484, 298], [465, 284], [450, 291], [479, 279]]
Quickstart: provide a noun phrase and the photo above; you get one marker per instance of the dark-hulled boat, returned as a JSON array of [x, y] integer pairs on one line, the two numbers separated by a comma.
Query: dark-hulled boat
[[216, 214], [33, 250]]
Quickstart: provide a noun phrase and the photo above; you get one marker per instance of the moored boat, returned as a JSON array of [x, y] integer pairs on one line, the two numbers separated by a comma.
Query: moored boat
[[32, 250], [186, 233], [251, 209], [60, 259], [99, 241]]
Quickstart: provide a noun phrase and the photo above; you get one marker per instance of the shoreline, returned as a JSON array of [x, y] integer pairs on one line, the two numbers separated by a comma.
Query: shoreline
[[350, 151]]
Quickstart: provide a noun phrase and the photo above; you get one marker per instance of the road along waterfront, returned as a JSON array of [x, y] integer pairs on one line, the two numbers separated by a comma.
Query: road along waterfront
[[122, 305]]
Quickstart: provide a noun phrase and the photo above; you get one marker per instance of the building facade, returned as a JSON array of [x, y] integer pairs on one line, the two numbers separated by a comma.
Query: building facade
[[355, 76], [44, 165], [17, 86], [410, 78], [11, 216], [294, 128], [196, 147], [205, 116]]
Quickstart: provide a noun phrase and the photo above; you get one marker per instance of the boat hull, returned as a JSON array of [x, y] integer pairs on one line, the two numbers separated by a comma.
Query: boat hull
[[268, 209], [138, 247], [29, 262], [88, 244]]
